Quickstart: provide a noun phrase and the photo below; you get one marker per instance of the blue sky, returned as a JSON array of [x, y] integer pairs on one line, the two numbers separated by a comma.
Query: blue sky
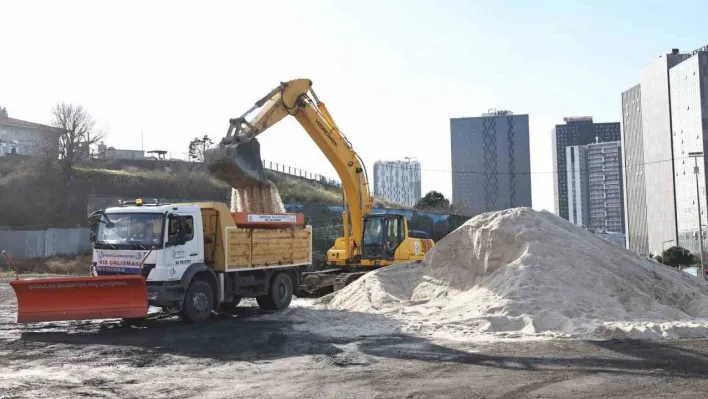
[[391, 72]]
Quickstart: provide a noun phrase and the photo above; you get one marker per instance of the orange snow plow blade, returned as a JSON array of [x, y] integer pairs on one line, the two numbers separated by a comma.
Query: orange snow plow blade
[[80, 298]]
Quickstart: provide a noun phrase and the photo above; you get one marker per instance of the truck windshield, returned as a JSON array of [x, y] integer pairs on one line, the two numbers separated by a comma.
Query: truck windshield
[[142, 230]]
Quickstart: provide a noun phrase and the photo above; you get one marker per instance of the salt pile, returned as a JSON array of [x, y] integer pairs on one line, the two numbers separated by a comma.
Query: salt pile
[[262, 198], [521, 273]]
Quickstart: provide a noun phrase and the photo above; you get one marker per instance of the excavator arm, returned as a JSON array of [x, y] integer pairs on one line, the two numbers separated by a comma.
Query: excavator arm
[[237, 159]]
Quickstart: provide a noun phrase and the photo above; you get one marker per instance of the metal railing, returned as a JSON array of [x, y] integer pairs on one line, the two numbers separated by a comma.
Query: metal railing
[[298, 172]]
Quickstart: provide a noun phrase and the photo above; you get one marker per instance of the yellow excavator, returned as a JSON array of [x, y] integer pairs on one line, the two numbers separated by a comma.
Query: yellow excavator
[[370, 240]]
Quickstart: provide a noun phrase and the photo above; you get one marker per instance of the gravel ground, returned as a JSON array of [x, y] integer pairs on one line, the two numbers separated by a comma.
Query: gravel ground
[[253, 354]]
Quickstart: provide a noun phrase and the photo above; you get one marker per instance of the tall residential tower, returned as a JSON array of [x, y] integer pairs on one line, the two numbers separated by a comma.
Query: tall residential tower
[[688, 82], [398, 181], [577, 131], [594, 175], [655, 151], [490, 162]]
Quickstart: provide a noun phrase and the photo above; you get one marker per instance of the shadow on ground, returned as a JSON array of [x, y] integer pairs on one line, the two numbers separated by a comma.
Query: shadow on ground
[[247, 336]]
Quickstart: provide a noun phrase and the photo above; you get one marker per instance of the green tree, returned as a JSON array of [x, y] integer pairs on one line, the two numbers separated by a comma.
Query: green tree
[[677, 256], [197, 147], [434, 200]]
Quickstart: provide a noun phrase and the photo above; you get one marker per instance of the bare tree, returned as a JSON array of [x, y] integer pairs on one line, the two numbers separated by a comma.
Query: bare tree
[[79, 134]]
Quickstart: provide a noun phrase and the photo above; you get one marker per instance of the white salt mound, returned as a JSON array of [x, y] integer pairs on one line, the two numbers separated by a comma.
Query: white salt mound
[[263, 198], [521, 273]]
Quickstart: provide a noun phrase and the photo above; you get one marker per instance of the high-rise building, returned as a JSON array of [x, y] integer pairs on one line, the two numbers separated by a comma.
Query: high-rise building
[[491, 165], [398, 181], [576, 131], [635, 201], [658, 150], [688, 87], [595, 186], [578, 197], [605, 186], [650, 144]]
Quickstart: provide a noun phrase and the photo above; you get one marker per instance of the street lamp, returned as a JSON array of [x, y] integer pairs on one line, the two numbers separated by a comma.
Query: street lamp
[[695, 156]]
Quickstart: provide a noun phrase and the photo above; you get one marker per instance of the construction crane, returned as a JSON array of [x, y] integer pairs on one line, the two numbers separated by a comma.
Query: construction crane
[[374, 240]]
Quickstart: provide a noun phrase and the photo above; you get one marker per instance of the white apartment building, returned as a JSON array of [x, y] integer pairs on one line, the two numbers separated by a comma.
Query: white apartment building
[[578, 198], [594, 173], [20, 137], [398, 181], [605, 186]]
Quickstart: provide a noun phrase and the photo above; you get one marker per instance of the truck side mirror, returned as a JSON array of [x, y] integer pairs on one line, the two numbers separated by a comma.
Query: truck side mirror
[[93, 222]]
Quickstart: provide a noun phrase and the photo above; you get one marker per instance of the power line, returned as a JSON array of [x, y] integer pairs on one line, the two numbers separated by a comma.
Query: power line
[[623, 167]]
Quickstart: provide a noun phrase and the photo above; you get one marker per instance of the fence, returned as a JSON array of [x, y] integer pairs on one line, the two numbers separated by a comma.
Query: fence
[[293, 171], [172, 160], [45, 243]]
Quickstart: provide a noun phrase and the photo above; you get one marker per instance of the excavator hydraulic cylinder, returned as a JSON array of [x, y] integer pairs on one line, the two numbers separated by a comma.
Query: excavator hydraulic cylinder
[[80, 298]]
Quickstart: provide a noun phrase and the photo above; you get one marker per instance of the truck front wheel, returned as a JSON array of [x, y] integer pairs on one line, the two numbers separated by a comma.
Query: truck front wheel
[[280, 293], [198, 302]]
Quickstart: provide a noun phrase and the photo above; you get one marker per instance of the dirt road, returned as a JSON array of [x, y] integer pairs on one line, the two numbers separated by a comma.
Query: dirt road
[[296, 354]]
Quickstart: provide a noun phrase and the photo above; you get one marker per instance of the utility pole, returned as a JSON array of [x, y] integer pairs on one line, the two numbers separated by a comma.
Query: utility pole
[[142, 143], [695, 156]]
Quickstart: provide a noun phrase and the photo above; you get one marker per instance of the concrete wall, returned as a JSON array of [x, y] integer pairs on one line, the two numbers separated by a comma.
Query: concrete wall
[[45, 243]]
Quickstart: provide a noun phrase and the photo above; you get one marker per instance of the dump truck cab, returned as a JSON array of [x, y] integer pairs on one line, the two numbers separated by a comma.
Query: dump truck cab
[[158, 241]]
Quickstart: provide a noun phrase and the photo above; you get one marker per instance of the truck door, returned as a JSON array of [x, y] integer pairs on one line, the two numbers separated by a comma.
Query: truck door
[[184, 244]]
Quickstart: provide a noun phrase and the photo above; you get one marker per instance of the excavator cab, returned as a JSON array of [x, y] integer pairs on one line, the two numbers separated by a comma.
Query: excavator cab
[[383, 233]]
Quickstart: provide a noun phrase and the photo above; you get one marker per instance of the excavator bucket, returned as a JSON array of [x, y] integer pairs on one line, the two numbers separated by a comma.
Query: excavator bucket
[[80, 298], [238, 164]]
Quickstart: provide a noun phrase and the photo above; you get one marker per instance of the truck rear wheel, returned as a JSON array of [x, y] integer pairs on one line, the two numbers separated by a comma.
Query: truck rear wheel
[[198, 302], [280, 293]]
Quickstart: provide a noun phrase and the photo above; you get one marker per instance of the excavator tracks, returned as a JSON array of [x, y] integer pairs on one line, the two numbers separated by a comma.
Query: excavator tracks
[[319, 284], [345, 279]]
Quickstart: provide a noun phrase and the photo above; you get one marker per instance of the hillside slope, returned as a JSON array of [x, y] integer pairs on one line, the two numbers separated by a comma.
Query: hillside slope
[[29, 197]]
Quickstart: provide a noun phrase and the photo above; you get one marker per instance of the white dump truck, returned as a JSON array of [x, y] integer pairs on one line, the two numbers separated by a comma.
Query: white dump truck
[[187, 258]]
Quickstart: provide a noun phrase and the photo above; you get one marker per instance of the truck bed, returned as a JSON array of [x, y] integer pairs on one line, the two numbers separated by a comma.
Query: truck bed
[[249, 248]]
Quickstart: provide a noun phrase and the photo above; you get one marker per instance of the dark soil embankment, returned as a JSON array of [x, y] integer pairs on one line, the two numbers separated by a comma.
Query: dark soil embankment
[[33, 197]]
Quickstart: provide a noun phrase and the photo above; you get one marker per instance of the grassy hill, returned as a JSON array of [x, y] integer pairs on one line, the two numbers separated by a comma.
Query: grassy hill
[[34, 196]]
